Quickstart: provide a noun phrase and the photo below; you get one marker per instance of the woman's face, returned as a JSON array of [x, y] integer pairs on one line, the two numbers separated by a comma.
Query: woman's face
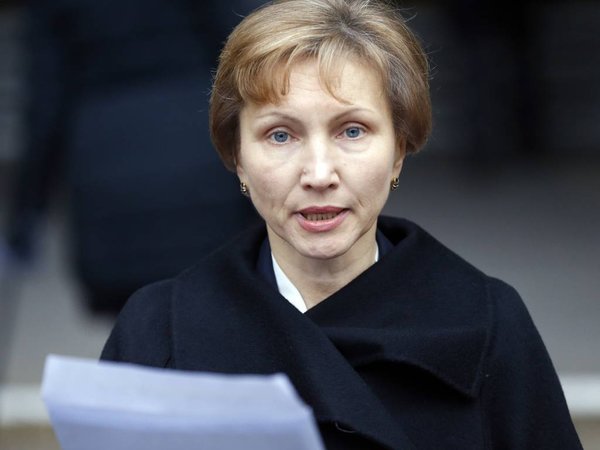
[[318, 169]]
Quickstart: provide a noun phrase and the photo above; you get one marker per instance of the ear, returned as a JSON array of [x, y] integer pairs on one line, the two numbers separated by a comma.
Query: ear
[[239, 170], [399, 156]]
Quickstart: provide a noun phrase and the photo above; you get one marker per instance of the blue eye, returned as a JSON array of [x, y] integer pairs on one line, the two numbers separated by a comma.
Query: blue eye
[[281, 137], [353, 132]]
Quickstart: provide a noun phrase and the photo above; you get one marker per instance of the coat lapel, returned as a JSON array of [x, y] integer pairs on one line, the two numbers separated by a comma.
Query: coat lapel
[[247, 327], [420, 305], [227, 319]]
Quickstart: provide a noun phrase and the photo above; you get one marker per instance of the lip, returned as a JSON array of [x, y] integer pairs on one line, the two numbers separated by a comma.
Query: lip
[[321, 226]]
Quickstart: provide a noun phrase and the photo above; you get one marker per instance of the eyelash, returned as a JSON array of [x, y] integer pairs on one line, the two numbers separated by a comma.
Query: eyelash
[[271, 136], [361, 130]]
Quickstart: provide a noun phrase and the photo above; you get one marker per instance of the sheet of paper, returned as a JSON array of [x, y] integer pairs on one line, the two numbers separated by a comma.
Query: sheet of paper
[[100, 405]]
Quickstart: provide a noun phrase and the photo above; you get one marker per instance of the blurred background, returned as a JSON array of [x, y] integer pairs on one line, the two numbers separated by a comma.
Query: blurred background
[[108, 180]]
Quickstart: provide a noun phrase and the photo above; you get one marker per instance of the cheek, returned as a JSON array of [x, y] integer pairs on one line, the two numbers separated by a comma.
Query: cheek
[[269, 186], [256, 171], [379, 191], [374, 187], [375, 179], [261, 180]]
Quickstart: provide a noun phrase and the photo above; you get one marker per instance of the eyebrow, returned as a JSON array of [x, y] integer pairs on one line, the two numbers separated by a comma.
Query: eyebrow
[[278, 115], [286, 116]]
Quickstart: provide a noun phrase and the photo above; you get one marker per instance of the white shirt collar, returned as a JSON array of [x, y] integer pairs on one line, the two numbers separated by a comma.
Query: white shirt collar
[[287, 288]]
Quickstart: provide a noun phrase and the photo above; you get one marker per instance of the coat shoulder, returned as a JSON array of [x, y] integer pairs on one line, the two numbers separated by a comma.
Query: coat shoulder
[[522, 396], [145, 319]]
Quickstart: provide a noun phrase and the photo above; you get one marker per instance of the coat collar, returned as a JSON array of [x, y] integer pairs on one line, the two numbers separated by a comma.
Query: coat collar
[[419, 305]]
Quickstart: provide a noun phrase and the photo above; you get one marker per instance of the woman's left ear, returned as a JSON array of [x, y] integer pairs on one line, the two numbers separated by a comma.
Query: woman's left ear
[[239, 170], [399, 158], [241, 176]]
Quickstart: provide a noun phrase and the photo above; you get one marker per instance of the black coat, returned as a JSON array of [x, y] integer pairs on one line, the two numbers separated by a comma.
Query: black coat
[[421, 351]]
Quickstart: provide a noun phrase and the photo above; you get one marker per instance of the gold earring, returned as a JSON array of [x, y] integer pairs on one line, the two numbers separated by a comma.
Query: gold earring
[[394, 184], [244, 190]]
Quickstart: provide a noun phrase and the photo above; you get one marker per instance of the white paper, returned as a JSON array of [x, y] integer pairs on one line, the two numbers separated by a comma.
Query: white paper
[[114, 406]]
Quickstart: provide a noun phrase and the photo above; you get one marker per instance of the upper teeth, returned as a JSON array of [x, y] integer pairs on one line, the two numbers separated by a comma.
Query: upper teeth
[[321, 216]]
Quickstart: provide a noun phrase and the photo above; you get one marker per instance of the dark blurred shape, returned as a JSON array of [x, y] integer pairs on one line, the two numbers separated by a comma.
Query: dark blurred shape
[[118, 111], [500, 72], [511, 83]]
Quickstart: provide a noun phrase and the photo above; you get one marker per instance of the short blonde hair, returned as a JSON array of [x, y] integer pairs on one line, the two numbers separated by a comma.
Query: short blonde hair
[[254, 66]]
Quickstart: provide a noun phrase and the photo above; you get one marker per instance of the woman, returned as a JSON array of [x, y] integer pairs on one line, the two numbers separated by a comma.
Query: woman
[[393, 340]]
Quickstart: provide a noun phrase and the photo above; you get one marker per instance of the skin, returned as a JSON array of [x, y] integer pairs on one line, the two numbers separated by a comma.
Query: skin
[[310, 153]]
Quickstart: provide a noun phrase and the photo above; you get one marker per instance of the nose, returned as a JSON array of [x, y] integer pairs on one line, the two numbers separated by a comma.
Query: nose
[[320, 166]]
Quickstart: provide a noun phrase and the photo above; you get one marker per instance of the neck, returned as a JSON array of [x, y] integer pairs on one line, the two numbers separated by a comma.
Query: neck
[[317, 278]]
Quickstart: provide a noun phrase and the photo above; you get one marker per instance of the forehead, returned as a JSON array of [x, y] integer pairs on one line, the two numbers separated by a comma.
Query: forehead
[[346, 76], [349, 82], [268, 82]]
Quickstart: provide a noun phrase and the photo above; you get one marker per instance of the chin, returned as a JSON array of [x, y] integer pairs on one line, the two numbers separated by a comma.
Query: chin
[[325, 251]]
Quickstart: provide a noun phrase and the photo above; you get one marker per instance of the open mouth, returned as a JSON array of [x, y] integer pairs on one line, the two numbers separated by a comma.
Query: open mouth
[[315, 217], [319, 219]]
